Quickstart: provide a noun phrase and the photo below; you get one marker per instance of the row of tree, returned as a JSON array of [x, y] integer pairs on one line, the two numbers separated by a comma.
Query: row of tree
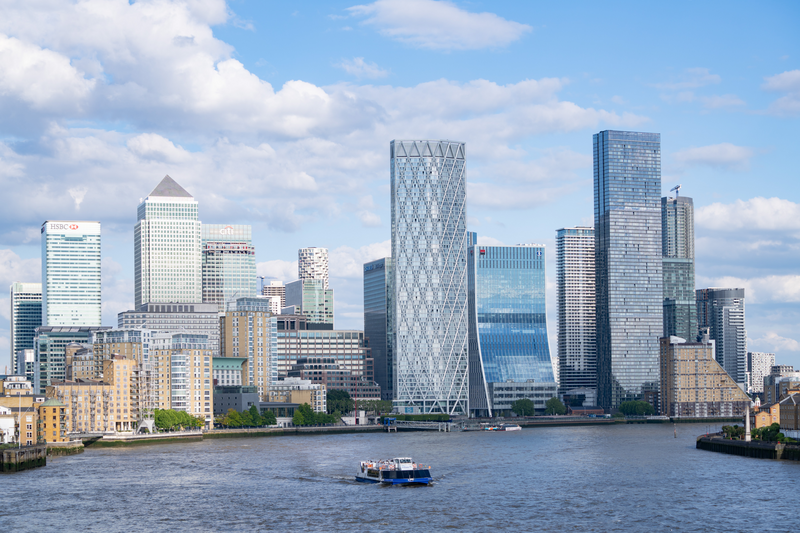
[[524, 407], [304, 415], [636, 408], [248, 418], [171, 419], [340, 401]]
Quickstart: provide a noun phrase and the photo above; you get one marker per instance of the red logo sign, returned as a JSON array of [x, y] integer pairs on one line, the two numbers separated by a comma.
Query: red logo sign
[[73, 226]]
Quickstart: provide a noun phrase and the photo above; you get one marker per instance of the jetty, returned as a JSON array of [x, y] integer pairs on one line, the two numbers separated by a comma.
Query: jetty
[[753, 448]]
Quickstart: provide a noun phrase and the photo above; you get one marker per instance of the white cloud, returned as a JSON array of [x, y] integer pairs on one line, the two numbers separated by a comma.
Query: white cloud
[[774, 214], [279, 270], [439, 25], [117, 291], [361, 69], [489, 241], [723, 155], [13, 268], [767, 289], [691, 78], [722, 100], [369, 219], [786, 82], [776, 342], [348, 262]]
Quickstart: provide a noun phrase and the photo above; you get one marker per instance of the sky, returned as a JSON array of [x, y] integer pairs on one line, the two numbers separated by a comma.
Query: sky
[[279, 115]]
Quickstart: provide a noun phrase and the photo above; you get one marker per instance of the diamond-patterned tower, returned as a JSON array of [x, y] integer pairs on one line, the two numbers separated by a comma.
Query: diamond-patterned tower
[[429, 251]]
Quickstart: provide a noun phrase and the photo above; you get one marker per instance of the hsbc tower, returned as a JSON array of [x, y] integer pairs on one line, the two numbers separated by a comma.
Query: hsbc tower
[[71, 273]]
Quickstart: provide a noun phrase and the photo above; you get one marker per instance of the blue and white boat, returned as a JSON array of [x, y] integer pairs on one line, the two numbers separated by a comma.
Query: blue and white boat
[[397, 471]]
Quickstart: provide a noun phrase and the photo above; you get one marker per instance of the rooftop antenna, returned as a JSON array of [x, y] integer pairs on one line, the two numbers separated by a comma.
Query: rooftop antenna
[[677, 190]]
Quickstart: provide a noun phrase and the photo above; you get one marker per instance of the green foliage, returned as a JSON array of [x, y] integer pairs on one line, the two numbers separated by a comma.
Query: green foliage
[[423, 418], [269, 418], [304, 415], [339, 400], [171, 419], [375, 406], [554, 406], [618, 415], [523, 407], [771, 433], [734, 432], [636, 408], [249, 418]]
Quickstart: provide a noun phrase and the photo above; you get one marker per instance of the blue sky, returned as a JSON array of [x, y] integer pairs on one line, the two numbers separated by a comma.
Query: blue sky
[[279, 115]]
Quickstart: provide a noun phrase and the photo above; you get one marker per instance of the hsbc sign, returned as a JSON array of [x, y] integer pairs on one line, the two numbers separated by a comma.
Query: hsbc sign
[[69, 227]]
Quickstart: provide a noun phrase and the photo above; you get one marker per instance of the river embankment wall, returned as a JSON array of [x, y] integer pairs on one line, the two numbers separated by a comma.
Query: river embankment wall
[[755, 448], [24, 458]]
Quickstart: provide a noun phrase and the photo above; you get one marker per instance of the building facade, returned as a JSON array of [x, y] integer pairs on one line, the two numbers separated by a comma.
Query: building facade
[[429, 261], [52, 422], [25, 364], [722, 312], [309, 297], [629, 279], [378, 292], [229, 263], [694, 385], [677, 249], [166, 247], [780, 379], [312, 263], [182, 374], [300, 391], [50, 345], [575, 302], [26, 315], [275, 289], [229, 371], [326, 371], [758, 367], [196, 318], [508, 342], [71, 273]]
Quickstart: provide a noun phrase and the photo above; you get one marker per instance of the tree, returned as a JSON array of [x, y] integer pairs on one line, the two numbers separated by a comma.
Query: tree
[[554, 406], [375, 406], [268, 418], [636, 408], [339, 400], [303, 416], [771, 433], [523, 407], [255, 416]]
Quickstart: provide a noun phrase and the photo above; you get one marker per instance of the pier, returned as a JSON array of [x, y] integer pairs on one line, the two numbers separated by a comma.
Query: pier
[[24, 458], [754, 448]]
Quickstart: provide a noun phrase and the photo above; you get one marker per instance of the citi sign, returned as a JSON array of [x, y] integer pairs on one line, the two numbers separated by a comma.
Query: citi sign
[[227, 230]]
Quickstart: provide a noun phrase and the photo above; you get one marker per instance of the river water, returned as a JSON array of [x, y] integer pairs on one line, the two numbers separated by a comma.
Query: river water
[[617, 478]]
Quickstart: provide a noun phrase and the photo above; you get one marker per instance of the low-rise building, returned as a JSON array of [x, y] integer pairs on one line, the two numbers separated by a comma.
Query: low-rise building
[[502, 395], [284, 412], [25, 411], [52, 422], [236, 397], [766, 416], [229, 371], [15, 386], [694, 385], [772, 382], [88, 405], [300, 391], [790, 416], [326, 371]]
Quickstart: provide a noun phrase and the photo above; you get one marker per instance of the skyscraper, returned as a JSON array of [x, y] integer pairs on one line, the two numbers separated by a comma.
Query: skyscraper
[[722, 312], [166, 247], [312, 263], [758, 366], [26, 315], [509, 355], [229, 263], [429, 235], [629, 284], [677, 249], [309, 297], [71, 273], [378, 321], [575, 301]]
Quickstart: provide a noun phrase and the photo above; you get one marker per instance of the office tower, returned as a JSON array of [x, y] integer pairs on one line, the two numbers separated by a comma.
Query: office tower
[[309, 297], [694, 385], [758, 367], [575, 302], [25, 364], [677, 249], [275, 289], [26, 315], [71, 273], [312, 263], [166, 247], [50, 346], [429, 259], [200, 319], [629, 284], [184, 361], [509, 355], [229, 263], [378, 321], [722, 312], [249, 330]]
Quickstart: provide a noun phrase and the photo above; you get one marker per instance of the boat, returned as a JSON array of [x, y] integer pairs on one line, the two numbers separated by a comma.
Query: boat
[[503, 427], [397, 471]]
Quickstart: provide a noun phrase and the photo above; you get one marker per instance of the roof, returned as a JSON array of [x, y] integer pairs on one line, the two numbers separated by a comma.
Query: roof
[[52, 402], [169, 188], [794, 399]]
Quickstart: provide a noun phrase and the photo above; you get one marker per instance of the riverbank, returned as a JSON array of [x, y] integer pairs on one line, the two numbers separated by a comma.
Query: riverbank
[[24, 458], [755, 448]]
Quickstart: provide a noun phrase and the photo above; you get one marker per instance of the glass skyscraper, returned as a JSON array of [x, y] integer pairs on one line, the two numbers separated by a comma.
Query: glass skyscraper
[[575, 301], [229, 263], [429, 255], [509, 355], [166, 247], [26, 315], [71, 273], [311, 299], [629, 282], [677, 248], [721, 311], [378, 321]]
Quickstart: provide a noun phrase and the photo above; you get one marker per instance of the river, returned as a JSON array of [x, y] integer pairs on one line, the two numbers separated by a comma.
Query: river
[[618, 478]]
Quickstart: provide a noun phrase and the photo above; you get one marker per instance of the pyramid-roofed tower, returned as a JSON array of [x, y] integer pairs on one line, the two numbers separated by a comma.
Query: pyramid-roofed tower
[[169, 188]]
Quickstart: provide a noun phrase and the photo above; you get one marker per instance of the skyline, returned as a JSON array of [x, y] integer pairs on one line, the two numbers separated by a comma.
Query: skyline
[[286, 122]]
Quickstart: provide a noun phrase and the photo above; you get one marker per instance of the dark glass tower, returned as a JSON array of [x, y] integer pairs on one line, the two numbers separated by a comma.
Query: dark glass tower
[[378, 322], [629, 284], [677, 248]]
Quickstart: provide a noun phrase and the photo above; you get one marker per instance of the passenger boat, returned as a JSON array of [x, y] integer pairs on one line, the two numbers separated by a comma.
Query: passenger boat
[[397, 471], [503, 427]]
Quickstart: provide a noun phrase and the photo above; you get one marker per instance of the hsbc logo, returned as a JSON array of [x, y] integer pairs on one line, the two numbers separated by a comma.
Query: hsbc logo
[[64, 226], [73, 226]]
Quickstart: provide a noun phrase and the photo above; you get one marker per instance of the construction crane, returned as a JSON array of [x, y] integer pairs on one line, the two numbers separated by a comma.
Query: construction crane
[[677, 190]]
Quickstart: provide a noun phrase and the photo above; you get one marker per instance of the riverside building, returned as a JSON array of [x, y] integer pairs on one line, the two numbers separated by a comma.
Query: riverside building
[[182, 374], [71, 273], [677, 249], [26, 315], [229, 263], [50, 344], [722, 312], [326, 371], [575, 302], [195, 318], [166, 247], [628, 265], [509, 354], [429, 262], [378, 293]]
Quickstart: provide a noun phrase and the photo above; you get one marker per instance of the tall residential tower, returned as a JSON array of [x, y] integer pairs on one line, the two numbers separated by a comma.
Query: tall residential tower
[[312, 263], [429, 254], [629, 284], [722, 312], [677, 249]]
